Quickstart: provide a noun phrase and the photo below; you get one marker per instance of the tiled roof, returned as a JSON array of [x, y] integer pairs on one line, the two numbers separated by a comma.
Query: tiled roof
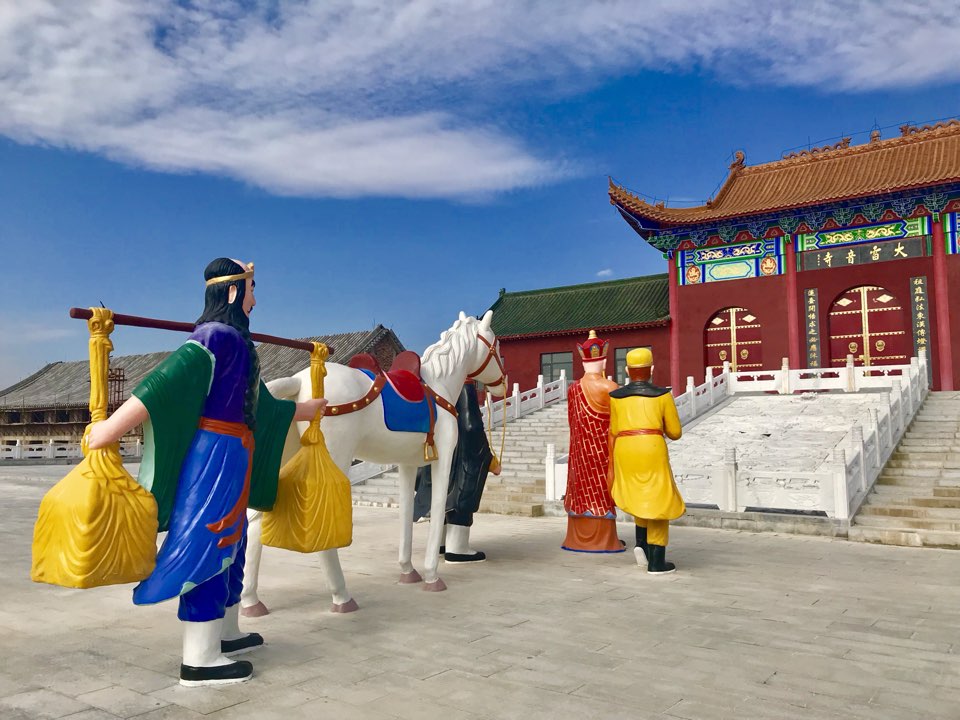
[[68, 383], [603, 305], [920, 157]]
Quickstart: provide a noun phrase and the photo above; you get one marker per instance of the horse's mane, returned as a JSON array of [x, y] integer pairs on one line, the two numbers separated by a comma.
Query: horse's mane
[[445, 355]]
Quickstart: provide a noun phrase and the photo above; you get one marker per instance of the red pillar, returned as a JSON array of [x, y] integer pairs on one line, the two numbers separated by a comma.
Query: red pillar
[[674, 328], [793, 311], [942, 300]]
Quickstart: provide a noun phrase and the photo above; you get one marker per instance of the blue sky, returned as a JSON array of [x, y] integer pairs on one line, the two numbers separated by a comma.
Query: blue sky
[[397, 165]]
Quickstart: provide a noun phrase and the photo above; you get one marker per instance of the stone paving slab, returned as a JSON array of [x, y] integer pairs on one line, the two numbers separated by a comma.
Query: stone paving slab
[[753, 627]]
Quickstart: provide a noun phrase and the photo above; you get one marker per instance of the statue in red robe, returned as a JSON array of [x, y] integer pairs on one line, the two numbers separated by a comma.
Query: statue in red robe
[[591, 513]]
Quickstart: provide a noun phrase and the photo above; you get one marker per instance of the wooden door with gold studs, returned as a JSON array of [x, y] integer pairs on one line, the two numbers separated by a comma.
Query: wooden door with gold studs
[[869, 323], [733, 335]]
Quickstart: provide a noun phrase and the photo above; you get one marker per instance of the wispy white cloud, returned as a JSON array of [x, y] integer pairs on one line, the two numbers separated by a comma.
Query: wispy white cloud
[[605, 273], [338, 98]]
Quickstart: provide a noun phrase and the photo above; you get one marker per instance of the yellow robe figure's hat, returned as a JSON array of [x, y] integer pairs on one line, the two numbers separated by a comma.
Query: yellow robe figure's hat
[[639, 358]]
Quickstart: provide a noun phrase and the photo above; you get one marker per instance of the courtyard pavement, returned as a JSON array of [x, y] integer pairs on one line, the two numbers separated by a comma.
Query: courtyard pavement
[[753, 627]]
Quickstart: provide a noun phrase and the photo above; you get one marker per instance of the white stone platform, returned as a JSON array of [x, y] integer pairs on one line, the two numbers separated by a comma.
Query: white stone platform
[[753, 627], [774, 432]]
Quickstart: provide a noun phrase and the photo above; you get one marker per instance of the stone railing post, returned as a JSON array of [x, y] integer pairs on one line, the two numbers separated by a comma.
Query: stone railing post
[[516, 401], [51, 449], [896, 390], [728, 490], [841, 502], [850, 384], [18, 450], [708, 379], [726, 371], [692, 392], [551, 472], [563, 384], [880, 443], [856, 441], [540, 392], [139, 449], [785, 388]]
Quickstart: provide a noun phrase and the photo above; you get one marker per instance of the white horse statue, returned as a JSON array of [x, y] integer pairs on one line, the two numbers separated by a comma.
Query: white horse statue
[[467, 350]]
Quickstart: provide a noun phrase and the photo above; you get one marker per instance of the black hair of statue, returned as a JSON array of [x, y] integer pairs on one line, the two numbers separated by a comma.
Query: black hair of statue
[[218, 308]]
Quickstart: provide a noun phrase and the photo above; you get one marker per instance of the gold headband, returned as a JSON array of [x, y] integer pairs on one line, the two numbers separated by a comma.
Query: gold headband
[[231, 278]]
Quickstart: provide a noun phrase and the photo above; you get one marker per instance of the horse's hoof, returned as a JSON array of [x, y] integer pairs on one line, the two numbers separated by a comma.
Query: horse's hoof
[[410, 578], [258, 610], [349, 606], [437, 585]]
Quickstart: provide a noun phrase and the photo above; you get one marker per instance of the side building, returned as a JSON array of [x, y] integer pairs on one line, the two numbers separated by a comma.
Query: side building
[[51, 406], [538, 329]]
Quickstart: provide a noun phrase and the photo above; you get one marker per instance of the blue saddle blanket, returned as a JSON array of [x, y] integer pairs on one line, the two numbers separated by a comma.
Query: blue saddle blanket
[[401, 415]]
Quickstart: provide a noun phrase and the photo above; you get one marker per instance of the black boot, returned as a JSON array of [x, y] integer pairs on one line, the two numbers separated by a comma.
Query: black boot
[[658, 564], [236, 672], [641, 545]]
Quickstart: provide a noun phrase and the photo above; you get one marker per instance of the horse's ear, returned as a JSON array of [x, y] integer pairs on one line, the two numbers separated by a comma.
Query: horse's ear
[[463, 316], [487, 319]]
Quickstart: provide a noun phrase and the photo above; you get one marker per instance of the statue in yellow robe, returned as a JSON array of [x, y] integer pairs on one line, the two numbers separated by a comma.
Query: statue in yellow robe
[[642, 416]]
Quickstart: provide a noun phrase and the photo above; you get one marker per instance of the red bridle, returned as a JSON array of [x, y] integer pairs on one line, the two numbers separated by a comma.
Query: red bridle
[[492, 354]]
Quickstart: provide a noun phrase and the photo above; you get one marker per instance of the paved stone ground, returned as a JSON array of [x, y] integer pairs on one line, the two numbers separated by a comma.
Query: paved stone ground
[[754, 627]]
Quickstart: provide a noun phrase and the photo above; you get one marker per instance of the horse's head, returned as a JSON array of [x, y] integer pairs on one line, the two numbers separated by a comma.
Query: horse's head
[[489, 365]]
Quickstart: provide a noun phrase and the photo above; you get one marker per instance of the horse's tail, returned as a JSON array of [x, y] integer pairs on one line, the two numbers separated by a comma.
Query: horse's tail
[[287, 388]]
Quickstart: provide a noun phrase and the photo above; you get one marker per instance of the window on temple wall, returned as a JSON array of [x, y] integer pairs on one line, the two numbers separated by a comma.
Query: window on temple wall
[[63, 416], [552, 363], [38, 416], [870, 323], [733, 335]]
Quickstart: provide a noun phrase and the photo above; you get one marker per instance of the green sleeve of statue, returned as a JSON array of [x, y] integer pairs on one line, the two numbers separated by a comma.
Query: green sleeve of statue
[[273, 421], [174, 395]]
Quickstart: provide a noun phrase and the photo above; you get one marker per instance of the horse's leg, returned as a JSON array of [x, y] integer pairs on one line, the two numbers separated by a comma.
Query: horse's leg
[[341, 454], [342, 601], [250, 604], [438, 511], [408, 478]]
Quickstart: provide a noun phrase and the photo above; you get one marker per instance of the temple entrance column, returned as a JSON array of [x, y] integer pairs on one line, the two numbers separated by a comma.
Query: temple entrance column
[[942, 300], [674, 326], [793, 311]]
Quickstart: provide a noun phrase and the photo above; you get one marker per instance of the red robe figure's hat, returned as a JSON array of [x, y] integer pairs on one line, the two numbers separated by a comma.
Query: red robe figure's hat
[[593, 348]]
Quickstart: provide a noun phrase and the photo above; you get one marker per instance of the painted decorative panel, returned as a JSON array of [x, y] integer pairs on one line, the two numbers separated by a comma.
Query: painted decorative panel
[[864, 254], [950, 222], [759, 258], [912, 227]]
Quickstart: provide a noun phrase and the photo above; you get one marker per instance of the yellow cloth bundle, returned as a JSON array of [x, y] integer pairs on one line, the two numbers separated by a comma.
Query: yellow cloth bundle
[[97, 526], [314, 509]]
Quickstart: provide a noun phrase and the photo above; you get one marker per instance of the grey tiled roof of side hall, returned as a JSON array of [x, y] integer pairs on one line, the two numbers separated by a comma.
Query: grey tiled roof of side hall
[[68, 383]]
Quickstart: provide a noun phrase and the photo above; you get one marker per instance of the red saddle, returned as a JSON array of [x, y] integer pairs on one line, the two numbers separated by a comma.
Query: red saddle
[[404, 374]]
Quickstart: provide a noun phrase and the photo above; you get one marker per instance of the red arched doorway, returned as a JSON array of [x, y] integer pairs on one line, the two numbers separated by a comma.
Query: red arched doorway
[[733, 335], [869, 323]]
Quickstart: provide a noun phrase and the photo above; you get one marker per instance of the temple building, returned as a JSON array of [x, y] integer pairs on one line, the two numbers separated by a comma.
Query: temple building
[[52, 405], [829, 252]]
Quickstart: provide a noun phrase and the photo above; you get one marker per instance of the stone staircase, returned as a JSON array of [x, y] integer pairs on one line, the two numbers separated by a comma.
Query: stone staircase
[[519, 489], [916, 499]]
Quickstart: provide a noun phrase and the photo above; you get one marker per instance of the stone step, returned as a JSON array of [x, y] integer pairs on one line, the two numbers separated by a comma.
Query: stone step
[[923, 461], [905, 536], [511, 508], [913, 510], [919, 472], [946, 491], [908, 523], [909, 498]]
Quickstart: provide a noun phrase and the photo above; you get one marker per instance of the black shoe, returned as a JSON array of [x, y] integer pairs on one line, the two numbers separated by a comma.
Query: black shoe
[[443, 549], [642, 541], [235, 672], [455, 558], [657, 564], [241, 645]]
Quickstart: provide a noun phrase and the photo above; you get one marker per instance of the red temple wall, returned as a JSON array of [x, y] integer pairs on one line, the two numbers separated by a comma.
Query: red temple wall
[[893, 276], [765, 297], [521, 356], [953, 281]]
